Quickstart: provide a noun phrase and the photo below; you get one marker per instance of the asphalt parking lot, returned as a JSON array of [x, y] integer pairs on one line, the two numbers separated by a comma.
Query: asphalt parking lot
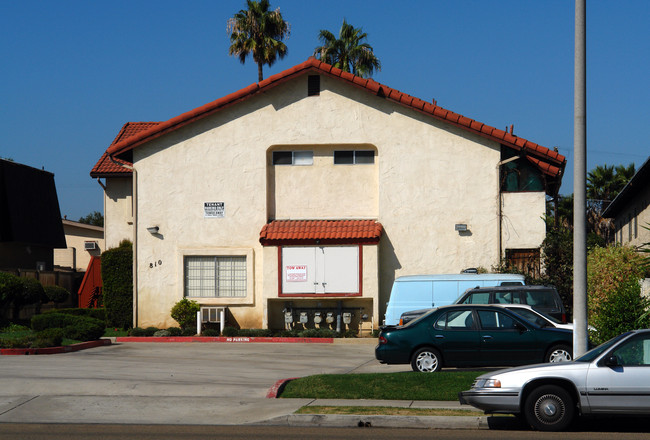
[[194, 383]]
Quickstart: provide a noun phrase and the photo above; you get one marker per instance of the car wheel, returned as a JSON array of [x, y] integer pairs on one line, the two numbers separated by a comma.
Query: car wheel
[[549, 408], [426, 360], [559, 353]]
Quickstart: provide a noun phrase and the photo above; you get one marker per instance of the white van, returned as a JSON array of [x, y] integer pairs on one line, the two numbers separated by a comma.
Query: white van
[[426, 291]]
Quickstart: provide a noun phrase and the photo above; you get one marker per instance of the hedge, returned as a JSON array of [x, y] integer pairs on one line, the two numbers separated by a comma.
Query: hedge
[[117, 278], [80, 328]]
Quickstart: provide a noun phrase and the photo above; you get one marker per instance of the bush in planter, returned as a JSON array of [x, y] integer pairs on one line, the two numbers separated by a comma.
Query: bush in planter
[[93, 313], [51, 320], [85, 329], [162, 333], [211, 332], [254, 332], [51, 337], [188, 331], [184, 312], [230, 331], [137, 331], [175, 331], [117, 278]]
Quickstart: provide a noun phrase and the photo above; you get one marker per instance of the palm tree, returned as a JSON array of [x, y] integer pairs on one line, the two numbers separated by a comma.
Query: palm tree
[[348, 52], [259, 31]]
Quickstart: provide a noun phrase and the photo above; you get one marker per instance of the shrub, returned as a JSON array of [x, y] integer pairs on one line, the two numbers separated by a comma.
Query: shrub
[[93, 313], [22, 342], [56, 294], [117, 278], [607, 268], [161, 333], [175, 331], [318, 333], [184, 312], [51, 337], [211, 332], [150, 331], [137, 331], [230, 331], [621, 311], [10, 287], [188, 331], [254, 332], [85, 328], [80, 328]]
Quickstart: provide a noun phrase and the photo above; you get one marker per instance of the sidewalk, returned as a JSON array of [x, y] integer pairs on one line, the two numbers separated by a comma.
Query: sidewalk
[[474, 419]]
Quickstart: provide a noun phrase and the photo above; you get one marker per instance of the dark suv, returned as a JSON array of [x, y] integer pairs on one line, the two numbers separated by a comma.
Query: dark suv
[[542, 298]]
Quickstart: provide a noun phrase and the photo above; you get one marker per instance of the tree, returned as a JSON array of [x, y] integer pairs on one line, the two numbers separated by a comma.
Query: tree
[[95, 218], [348, 52], [258, 31]]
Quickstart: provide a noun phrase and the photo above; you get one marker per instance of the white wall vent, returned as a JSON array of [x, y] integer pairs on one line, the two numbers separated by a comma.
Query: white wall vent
[[90, 245]]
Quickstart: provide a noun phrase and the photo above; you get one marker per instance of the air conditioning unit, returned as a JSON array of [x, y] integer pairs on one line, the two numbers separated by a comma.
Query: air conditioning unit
[[90, 245], [211, 314]]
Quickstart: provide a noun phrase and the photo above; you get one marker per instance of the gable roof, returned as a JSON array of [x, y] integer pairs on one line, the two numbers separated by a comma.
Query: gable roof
[[639, 182], [320, 231], [549, 162], [105, 166]]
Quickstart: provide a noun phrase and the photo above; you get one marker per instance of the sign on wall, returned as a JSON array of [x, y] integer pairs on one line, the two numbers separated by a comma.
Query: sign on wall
[[296, 274], [214, 209]]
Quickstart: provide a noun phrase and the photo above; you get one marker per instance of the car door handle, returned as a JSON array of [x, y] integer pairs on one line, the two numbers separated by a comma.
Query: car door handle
[[487, 337], [440, 337]]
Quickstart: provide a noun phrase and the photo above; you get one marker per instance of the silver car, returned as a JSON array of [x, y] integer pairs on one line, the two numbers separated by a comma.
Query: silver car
[[613, 378]]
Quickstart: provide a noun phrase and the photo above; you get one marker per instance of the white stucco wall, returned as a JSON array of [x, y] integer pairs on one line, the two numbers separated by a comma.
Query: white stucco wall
[[631, 222], [427, 177], [521, 228], [118, 211], [75, 256]]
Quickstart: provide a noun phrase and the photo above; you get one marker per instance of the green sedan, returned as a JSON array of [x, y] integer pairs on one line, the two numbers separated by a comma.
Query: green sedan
[[471, 336]]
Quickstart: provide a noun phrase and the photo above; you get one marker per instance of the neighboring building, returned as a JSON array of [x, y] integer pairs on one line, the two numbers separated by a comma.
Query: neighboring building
[[310, 192], [630, 210], [30, 219], [84, 241]]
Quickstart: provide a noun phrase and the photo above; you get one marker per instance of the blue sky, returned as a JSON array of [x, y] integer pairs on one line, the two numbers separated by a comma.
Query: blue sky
[[74, 71]]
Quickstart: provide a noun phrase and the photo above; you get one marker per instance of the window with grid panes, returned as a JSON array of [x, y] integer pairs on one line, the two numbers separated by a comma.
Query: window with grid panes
[[215, 276]]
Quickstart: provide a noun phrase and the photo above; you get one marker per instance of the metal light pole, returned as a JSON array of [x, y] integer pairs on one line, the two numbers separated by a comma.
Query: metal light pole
[[579, 184]]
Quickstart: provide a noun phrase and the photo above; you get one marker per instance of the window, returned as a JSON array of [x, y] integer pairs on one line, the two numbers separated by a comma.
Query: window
[[519, 175], [354, 157], [636, 224], [313, 85], [300, 157], [457, 320], [492, 320], [478, 298], [629, 227], [215, 276], [634, 352]]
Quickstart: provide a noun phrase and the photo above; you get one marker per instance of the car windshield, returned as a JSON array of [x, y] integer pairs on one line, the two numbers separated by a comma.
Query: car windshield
[[595, 352]]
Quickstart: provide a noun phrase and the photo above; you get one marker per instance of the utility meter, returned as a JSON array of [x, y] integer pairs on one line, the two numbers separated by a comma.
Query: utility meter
[[329, 318], [304, 318], [318, 318], [288, 317], [347, 318]]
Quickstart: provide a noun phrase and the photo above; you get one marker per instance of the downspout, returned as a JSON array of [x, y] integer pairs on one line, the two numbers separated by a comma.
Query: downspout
[[499, 209], [134, 207]]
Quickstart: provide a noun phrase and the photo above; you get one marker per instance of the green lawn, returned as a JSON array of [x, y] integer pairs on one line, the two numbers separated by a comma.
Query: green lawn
[[443, 385]]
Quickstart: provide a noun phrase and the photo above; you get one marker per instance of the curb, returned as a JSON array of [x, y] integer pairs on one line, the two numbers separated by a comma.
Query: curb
[[251, 339], [55, 350], [278, 387], [378, 421]]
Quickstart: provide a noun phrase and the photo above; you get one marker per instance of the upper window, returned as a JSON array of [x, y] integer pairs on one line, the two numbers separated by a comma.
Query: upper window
[[352, 157], [215, 276], [456, 320], [519, 175], [300, 157]]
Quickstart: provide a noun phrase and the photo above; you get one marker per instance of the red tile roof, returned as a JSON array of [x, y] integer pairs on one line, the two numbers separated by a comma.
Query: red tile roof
[[325, 231], [105, 166], [549, 162]]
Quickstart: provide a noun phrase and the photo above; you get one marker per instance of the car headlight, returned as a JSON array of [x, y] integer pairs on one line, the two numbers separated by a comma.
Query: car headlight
[[487, 383]]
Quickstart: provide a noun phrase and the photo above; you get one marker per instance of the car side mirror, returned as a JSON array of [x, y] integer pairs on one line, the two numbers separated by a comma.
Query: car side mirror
[[612, 361]]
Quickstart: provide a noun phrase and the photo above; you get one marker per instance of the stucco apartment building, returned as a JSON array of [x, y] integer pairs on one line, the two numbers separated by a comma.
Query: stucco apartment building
[[311, 191]]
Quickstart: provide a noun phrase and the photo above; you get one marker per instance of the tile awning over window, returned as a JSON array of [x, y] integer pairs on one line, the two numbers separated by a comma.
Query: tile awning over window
[[287, 232]]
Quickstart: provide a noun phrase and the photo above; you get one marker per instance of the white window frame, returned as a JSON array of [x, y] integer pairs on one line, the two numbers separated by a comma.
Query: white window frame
[[354, 157], [248, 253]]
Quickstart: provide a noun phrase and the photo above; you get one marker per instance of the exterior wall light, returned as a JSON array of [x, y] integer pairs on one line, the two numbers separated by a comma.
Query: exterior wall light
[[460, 227], [153, 229]]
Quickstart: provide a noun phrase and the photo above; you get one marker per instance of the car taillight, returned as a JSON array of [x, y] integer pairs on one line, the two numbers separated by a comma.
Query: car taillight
[[563, 318], [401, 321], [383, 340]]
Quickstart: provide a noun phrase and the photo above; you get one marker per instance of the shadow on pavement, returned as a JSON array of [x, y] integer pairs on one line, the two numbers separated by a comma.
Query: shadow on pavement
[[583, 424]]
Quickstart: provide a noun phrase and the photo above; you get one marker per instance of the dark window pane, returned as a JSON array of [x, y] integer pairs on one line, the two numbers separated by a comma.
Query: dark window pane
[[364, 156], [282, 158], [343, 157]]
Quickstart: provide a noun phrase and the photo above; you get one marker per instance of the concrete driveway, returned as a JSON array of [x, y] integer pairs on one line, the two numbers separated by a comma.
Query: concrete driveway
[[185, 383]]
